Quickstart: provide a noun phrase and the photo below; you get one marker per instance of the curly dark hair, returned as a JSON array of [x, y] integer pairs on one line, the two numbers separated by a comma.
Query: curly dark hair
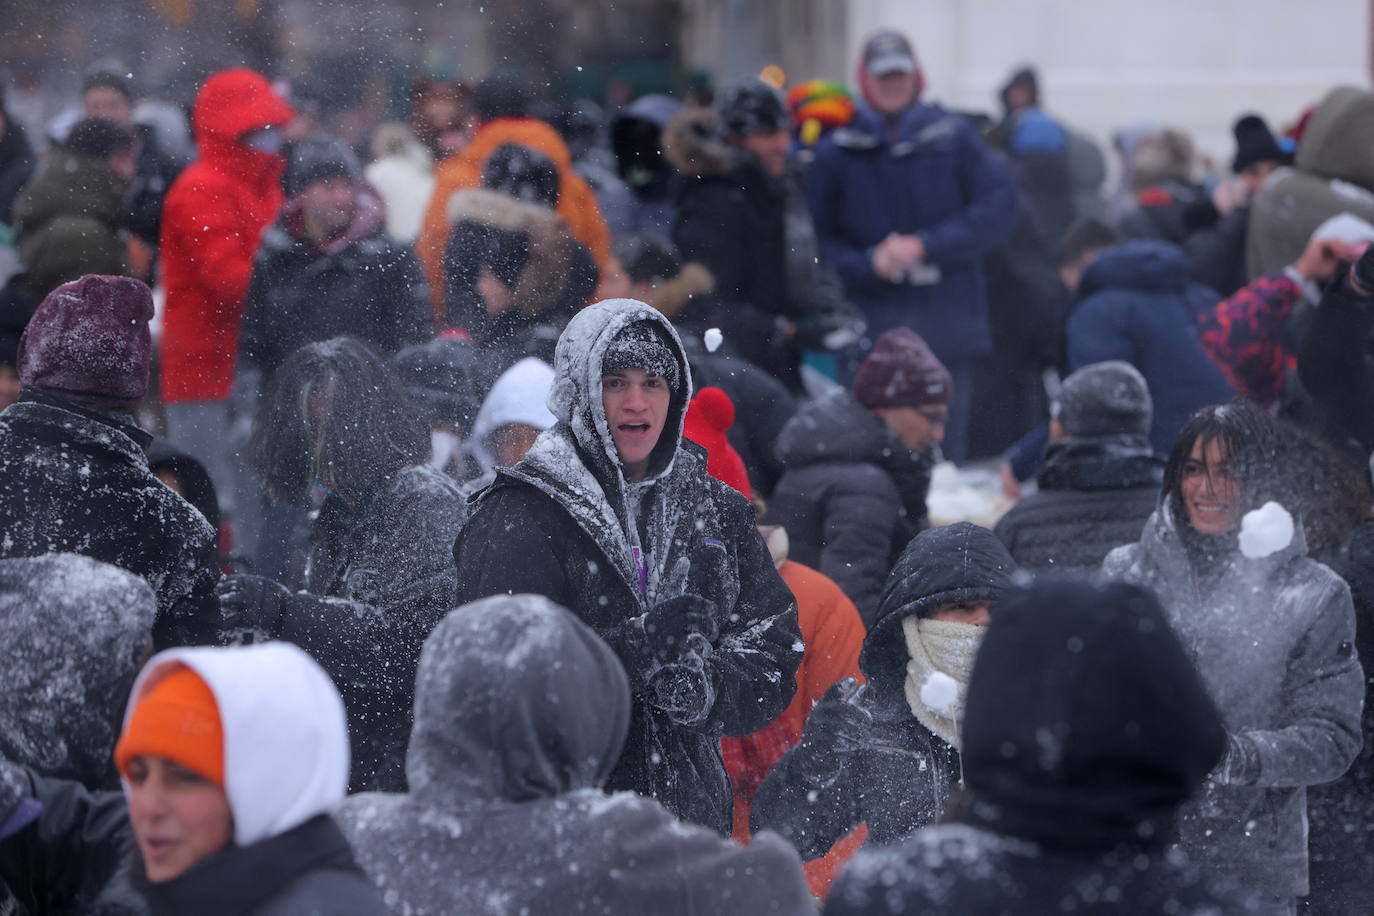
[[334, 413]]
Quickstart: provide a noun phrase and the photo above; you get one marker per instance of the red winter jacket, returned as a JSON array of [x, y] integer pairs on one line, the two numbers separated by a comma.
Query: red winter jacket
[[212, 220]]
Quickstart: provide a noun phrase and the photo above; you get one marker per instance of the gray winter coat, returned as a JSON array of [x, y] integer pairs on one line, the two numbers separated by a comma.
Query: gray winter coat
[[1274, 641], [520, 714]]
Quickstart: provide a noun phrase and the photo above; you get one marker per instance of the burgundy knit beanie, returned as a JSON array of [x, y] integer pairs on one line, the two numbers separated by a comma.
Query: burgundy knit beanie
[[901, 371], [89, 342]]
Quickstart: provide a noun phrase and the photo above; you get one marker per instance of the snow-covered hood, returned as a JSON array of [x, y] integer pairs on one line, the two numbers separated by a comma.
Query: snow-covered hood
[[285, 735], [515, 700], [72, 633], [576, 396], [520, 395]]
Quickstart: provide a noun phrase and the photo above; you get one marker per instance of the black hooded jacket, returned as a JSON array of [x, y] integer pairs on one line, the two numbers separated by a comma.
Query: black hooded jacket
[[77, 481], [852, 495], [362, 284], [1095, 495], [1086, 727], [564, 523], [903, 774], [520, 714]]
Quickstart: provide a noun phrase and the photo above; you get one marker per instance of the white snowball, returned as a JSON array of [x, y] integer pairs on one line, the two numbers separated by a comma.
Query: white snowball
[[713, 339], [940, 693], [1265, 531]]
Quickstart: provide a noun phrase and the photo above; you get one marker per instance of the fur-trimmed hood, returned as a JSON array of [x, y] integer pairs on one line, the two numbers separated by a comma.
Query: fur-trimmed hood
[[672, 296], [693, 144]]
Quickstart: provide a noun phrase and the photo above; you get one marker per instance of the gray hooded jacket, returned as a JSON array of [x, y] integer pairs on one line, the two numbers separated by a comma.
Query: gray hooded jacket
[[520, 714], [1274, 641]]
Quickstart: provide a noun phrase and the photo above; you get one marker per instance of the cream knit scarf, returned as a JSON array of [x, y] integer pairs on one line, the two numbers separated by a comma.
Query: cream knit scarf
[[948, 648]]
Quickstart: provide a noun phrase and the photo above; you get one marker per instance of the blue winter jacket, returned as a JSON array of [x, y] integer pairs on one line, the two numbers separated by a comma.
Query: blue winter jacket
[[1136, 302], [930, 175]]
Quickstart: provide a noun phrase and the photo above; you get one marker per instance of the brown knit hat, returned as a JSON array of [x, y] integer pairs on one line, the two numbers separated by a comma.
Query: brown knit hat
[[901, 371]]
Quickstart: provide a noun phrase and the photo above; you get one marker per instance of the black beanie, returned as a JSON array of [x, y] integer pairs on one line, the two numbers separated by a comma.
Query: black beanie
[[643, 345], [1255, 143], [98, 138], [751, 107], [318, 159], [522, 173]]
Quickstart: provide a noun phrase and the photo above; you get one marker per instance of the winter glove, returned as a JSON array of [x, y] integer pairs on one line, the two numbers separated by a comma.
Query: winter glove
[[1241, 765], [250, 608], [1362, 273], [684, 689], [668, 624], [837, 728]]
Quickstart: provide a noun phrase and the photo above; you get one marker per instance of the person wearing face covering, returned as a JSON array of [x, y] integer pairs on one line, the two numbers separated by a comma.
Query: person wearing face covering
[[506, 812], [212, 223], [612, 515], [887, 754], [1086, 728]]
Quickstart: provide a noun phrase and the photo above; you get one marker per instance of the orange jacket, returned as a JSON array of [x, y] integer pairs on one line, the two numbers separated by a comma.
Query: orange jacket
[[576, 201], [212, 220], [834, 634]]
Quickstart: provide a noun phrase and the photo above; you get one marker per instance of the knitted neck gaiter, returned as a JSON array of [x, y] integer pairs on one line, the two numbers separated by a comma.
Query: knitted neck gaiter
[[948, 648]]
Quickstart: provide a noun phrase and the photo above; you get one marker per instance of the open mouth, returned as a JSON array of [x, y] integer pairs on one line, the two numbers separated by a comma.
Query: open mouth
[[634, 429]]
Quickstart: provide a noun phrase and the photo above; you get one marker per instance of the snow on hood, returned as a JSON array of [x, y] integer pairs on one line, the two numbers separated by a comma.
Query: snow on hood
[[285, 735], [515, 700], [72, 633], [576, 396], [520, 395]]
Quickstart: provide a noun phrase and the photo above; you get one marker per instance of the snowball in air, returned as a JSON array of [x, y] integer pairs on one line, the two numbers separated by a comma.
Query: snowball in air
[[713, 339], [1265, 531], [940, 693]]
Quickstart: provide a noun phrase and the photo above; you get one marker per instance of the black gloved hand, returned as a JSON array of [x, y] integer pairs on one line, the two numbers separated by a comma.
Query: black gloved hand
[[684, 690], [837, 728], [1362, 273], [250, 608], [668, 624]]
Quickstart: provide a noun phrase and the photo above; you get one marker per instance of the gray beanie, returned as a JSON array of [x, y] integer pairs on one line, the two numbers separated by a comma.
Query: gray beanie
[[1105, 399]]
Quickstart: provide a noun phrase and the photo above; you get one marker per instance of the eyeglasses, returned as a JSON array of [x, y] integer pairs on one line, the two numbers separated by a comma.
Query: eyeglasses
[[935, 419]]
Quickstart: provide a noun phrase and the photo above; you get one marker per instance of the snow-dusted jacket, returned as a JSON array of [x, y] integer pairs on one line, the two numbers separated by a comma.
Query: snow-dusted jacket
[[505, 812], [72, 630], [566, 524], [1085, 727], [1095, 495], [378, 578], [77, 481], [286, 768], [1274, 641], [903, 775], [362, 284], [852, 495]]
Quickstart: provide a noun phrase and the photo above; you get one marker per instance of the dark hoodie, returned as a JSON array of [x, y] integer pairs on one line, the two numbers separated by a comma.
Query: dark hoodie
[[1086, 728], [361, 283], [852, 495], [566, 524], [67, 222], [520, 714], [1136, 303], [902, 775]]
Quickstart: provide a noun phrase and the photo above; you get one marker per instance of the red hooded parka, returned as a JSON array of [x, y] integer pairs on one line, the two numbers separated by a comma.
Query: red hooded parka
[[212, 221]]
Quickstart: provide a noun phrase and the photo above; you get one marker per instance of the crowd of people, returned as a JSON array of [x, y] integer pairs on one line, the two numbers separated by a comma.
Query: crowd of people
[[527, 513]]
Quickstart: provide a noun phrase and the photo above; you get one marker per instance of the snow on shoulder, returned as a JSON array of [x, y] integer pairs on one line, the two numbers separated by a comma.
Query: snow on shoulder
[[1265, 531]]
